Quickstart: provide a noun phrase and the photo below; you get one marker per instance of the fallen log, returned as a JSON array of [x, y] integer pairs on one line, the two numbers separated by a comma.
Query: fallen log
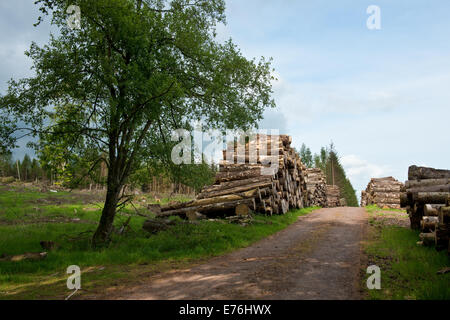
[[210, 208], [234, 184], [428, 239], [419, 173], [240, 189], [432, 209], [404, 201], [426, 183], [430, 197], [428, 224], [238, 167], [30, 256], [237, 175], [432, 188]]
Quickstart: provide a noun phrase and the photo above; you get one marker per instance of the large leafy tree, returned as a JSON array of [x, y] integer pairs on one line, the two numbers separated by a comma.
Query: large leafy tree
[[131, 68]]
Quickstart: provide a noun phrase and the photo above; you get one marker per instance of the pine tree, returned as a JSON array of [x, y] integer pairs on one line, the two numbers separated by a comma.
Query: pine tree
[[6, 164], [25, 167], [336, 176], [35, 170], [306, 155]]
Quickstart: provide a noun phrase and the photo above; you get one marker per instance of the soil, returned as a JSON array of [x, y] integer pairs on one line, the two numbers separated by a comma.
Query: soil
[[317, 257]]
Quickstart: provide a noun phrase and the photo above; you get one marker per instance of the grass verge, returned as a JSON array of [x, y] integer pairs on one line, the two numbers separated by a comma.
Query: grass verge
[[128, 257], [408, 271]]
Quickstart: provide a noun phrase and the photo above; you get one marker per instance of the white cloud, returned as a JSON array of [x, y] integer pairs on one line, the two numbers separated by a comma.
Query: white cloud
[[357, 167], [360, 171]]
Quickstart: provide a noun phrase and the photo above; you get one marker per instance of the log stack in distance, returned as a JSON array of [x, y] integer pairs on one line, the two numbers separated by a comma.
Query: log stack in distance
[[316, 186], [333, 196], [245, 181], [383, 192]]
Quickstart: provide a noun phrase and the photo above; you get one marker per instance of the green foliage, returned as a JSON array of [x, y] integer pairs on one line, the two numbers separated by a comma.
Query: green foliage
[[336, 175], [6, 164], [328, 161], [321, 159], [137, 247], [306, 156], [134, 71], [25, 167], [373, 208], [7, 128], [191, 175], [29, 169]]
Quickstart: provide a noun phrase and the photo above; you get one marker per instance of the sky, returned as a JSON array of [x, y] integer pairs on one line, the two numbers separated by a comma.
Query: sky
[[381, 96]]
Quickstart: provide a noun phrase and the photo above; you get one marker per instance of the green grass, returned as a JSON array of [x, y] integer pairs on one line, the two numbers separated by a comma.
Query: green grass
[[373, 208], [46, 278], [408, 271]]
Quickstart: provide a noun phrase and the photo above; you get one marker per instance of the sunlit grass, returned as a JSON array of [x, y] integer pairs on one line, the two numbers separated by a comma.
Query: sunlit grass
[[183, 242], [408, 271]]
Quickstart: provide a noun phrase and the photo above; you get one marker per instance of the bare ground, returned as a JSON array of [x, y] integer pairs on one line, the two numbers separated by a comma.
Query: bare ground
[[318, 257]]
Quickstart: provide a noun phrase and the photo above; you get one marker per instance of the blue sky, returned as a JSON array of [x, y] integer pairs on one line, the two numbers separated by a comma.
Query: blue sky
[[382, 96]]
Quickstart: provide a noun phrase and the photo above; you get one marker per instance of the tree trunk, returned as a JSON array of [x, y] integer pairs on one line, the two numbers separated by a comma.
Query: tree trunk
[[102, 234], [104, 229]]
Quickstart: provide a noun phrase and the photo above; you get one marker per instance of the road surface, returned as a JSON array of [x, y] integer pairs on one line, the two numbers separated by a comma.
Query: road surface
[[317, 257]]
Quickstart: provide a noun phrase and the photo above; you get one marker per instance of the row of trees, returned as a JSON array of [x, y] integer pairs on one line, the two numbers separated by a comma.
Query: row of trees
[[82, 174], [26, 170], [328, 161]]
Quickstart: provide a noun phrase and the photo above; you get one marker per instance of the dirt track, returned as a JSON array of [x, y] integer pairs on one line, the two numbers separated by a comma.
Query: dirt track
[[318, 257]]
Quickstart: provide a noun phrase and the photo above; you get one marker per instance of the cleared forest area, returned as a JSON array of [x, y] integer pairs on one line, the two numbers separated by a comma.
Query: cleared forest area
[[30, 219]]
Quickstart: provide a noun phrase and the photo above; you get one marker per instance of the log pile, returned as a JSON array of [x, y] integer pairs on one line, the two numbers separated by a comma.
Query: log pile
[[436, 229], [383, 192], [426, 198], [363, 198], [246, 183], [333, 196], [316, 186]]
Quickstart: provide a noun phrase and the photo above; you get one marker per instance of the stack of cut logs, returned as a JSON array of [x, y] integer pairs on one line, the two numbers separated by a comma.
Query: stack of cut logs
[[316, 186], [363, 198], [333, 196], [383, 192], [246, 183], [426, 198]]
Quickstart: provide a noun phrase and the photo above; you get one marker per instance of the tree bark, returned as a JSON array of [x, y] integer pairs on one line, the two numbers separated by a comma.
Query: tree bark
[[240, 175], [425, 183], [430, 197], [432, 210], [433, 188], [104, 229], [210, 208], [101, 236], [418, 173], [429, 239]]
